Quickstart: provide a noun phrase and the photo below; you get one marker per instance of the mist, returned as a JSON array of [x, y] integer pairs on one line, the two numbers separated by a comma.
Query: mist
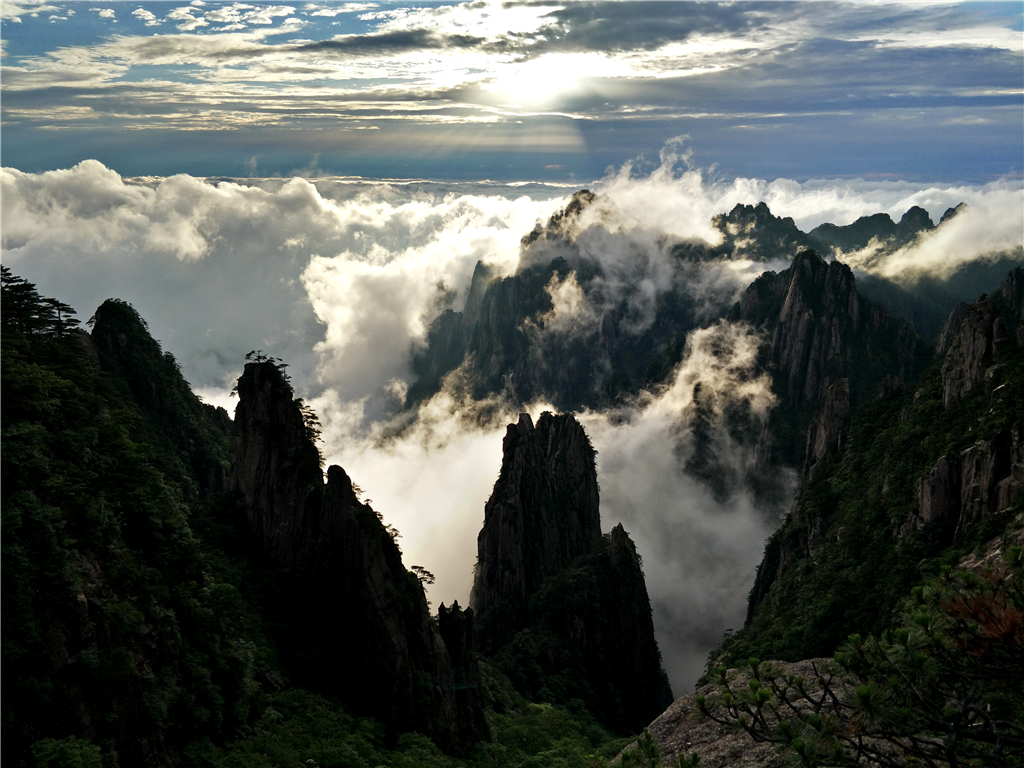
[[340, 278]]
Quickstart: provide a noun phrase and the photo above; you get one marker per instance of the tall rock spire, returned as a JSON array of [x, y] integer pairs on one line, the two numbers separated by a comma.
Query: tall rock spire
[[542, 514], [563, 610]]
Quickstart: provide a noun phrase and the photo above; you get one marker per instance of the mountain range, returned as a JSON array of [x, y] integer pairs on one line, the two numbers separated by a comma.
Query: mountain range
[[184, 587]]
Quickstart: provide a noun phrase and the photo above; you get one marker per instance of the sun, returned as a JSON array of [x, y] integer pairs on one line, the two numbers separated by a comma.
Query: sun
[[547, 81]]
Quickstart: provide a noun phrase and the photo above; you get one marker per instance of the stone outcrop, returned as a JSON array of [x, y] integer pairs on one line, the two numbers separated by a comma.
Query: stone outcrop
[[961, 489], [366, 632], [827, 433], [978, 337], [542, 514], [682, 730], [822, 330], [563, 610]]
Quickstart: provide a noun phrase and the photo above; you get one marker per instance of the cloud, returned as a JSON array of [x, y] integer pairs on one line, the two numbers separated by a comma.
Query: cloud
[[105, 13], [392, 42], [376, 302], [699, 553], [341, 276], [989, 229], [147, 16], [188, 21], [521, 68], [316, 9], [431, 475], [13, 11], [260, 262]]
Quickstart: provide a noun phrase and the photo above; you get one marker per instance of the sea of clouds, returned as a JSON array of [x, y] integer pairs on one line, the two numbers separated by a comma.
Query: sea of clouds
[[341, 277]]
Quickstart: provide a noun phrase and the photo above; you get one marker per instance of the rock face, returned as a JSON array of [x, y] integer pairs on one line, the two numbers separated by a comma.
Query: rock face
[[827, 432], [542, 514], [978, 337], [367, 634], [563, 610], [986, 479], [822, 330]]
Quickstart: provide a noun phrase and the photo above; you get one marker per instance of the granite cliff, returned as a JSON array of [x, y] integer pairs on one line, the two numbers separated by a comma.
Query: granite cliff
[[542, 514], [564, 610], [895, 485], [819, 330], [366, 630]]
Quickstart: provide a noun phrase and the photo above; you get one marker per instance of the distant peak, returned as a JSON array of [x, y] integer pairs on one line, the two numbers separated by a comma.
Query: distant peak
[[951, 212]]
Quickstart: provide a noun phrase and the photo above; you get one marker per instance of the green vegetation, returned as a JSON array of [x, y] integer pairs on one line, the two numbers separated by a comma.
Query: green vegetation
[[853, 517], [139, 625], [118, 626], [944, 688], [581, 645]]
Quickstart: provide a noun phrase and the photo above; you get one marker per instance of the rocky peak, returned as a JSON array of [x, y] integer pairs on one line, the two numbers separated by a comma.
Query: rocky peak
[[951, 212], [151, 380], [561, 607], [542, 514], [560, 225], [878, 227], [978, 337], [343, 569], [821, 330], [276, 467], [913, 222], [753, 232]]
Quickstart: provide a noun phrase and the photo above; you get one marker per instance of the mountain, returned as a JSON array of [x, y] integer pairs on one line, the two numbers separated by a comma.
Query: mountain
[[549, 332], [117, 631], [753, 232], [561, 328], [367, 632], [152, 595], [820, 329], [181, 588], [924, 300], [878, 227], [563, 610], [184, 589], [914, 480], [893, 585]]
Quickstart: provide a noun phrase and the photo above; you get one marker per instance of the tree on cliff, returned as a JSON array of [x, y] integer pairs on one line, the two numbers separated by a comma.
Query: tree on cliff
[[945, 688]]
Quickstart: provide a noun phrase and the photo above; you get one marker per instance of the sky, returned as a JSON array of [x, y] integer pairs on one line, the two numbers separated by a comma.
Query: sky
[[318, 181], [515, 90]]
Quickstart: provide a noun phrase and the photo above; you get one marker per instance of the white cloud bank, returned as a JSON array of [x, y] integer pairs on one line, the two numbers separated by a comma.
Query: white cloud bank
[[340, 277]]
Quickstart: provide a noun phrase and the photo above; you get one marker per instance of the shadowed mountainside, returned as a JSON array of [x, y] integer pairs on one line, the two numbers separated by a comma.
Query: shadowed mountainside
[[367, 633]]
